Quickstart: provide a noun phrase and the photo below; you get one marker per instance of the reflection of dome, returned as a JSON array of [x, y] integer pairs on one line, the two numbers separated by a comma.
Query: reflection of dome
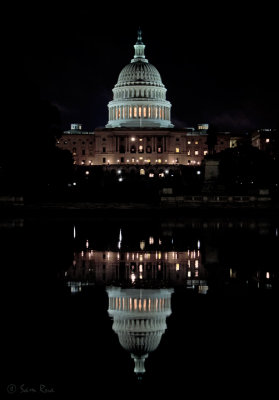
[[139, 319], [139, 97]]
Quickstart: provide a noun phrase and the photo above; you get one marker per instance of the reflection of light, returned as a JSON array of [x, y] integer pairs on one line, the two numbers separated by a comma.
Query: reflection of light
[[189, 274], [133, 277], [267, 275], [199, 244], [120, 239], [74, 231], [140, 268], [196, 263], [151, 240], [142, 244], [177, 267], [87, 244]]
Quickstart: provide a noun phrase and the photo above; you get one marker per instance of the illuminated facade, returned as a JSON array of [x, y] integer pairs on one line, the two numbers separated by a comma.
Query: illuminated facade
[[139, 129]]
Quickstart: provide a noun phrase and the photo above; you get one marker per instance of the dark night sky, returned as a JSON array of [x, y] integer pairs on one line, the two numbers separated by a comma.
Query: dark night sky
[[220, 65]]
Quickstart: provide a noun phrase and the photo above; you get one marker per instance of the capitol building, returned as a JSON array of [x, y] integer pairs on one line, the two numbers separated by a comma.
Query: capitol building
[[139, 130]]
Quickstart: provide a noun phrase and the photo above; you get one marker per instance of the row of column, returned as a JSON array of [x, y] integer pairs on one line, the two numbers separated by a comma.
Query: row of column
[[134, 304], [140, 145], [130, 112]]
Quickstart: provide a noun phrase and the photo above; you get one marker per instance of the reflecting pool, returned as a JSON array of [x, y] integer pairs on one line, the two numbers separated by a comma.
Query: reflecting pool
[[187, 304]]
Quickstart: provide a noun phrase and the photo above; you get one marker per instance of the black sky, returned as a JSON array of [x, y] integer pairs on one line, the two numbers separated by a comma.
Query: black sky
[[219, 64]]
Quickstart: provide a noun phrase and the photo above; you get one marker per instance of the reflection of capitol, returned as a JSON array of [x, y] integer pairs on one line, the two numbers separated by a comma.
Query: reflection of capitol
[[151, 268], [139, 320]]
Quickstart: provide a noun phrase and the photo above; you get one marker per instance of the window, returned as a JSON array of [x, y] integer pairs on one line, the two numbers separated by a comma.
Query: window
[[148, 149], [205, 152], [104, 149], [189, 142], [196, 142], [121, 148], [177, 139], [142, 171], [177, 150], [133, 149], [74, 151], [140, 149], [188, 153], [122, 159], [196, 153], [83, 152], [159, 149], [104, 139], [104, 159]]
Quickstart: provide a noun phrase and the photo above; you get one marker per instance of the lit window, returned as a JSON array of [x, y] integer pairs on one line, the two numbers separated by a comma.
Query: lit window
[[266, 140], [205, 152], [140, 149], [144, 112], [135, 112], [142, 171], [133, 139], [151, 240], [130, 112], [189, 142], [188, 152], [151, 175], [139, 112], [177, 150], [196, 153], [161, 175], [177, 267], [196, 142]]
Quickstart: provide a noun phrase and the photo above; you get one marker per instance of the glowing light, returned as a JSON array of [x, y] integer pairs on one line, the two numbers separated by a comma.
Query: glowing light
[[267, 275], [151, 240], [199, 244], [142, 244], [86, 172], [133, 277], [177, 267], [87, 244], [133, 139], [74, 233]]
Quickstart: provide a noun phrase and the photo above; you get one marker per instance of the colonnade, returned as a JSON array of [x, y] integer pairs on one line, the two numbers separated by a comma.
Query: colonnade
[[137, 111]]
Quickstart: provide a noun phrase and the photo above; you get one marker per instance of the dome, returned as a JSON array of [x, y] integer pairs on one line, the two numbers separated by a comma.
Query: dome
[[139, 96], [139, 319], [139, 73]]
